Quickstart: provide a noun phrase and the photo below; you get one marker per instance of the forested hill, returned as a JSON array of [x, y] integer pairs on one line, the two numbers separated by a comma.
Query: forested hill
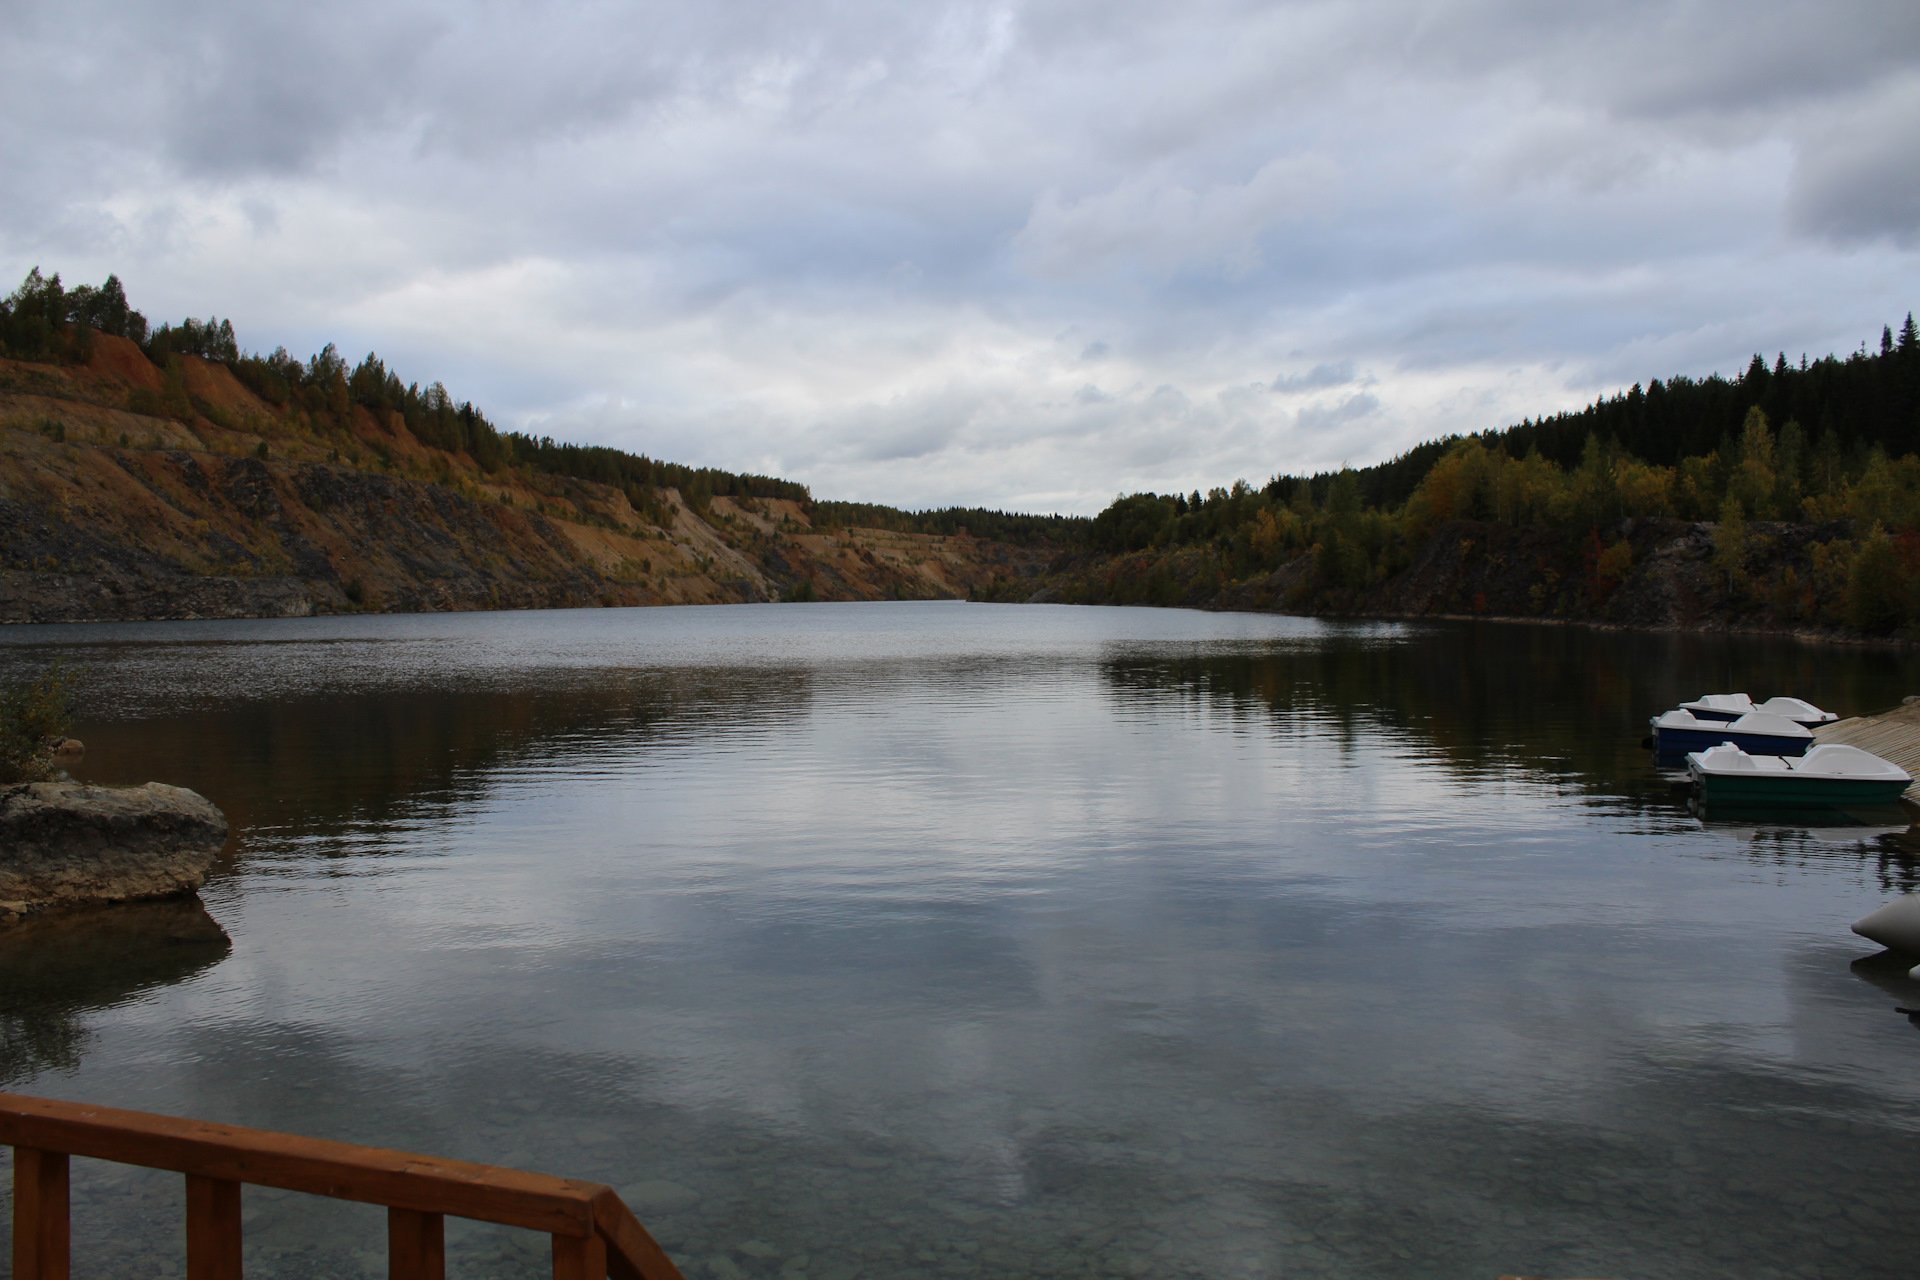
[[1785, 498], [1829, 411], [162, 471]]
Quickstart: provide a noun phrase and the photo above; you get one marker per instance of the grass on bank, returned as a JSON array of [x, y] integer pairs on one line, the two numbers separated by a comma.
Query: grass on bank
[[34, 716]]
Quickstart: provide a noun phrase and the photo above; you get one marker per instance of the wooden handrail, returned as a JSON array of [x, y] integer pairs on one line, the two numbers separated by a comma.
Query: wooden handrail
[[594, 1234]]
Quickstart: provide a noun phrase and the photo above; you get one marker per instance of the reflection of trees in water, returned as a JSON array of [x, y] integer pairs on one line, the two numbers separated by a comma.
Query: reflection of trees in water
[[1567, 704], [54, 968], [1896, 860], [1774, 841], [312, 763]]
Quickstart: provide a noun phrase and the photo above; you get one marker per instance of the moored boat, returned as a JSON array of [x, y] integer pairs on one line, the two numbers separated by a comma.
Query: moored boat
[[1719, 706], [1731, 706], [1798, 710], [1830, 774], [1676, 733]]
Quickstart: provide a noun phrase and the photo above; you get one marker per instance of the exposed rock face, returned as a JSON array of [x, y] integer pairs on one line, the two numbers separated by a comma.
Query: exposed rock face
[[107, 513], [66, 843]]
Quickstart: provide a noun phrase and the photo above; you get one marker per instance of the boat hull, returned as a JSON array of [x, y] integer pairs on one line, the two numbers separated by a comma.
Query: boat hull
[[1671, 746], [1795, 791]]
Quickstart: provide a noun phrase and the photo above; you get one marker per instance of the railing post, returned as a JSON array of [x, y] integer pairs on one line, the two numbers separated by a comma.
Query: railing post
[[579, 1257], [42, 1243], [416, 1245], [213, 1228]]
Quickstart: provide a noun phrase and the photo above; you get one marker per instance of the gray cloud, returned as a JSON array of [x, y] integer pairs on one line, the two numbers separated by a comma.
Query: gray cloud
[[1862, 193], [1325, 374], [927, 429], [274, 89], [1315, 418], [1857, 176]]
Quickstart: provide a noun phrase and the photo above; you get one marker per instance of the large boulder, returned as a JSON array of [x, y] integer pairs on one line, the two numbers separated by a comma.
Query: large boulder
[[67, 843]]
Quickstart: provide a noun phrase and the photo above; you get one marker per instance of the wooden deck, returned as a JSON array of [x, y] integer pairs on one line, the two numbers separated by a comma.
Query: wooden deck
[[1892, 735]]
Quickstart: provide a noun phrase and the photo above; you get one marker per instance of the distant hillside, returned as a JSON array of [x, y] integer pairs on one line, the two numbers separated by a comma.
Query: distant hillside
[[1784, 499], [161, 473]]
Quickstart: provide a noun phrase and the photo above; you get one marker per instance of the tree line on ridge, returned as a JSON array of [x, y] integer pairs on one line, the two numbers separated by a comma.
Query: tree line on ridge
[[1736, 453], [1827, 444]]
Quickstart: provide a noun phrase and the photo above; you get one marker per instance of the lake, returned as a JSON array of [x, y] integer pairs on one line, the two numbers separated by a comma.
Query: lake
[[945, 939]]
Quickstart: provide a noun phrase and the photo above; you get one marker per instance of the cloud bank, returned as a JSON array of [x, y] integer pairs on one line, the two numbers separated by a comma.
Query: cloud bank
[[1022, 254]]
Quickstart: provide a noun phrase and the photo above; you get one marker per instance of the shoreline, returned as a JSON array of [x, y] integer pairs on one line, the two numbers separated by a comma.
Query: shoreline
[[1800, 635]]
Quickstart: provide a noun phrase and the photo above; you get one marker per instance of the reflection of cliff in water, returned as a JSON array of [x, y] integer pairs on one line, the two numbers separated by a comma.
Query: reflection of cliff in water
[[54, 968], [1564, 703], [315, 762]]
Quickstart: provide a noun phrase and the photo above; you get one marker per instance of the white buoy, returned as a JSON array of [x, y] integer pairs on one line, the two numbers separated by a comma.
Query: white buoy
[[1895, 926]]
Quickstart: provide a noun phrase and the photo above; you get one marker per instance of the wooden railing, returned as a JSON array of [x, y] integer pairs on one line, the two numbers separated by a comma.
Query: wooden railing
[[594, 1235]]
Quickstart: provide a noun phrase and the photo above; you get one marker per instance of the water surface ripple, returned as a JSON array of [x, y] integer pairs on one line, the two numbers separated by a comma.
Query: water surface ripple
[[953, 940]]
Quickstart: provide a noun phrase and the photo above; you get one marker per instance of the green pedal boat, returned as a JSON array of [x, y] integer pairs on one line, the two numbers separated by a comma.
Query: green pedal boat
[[1828, 775]]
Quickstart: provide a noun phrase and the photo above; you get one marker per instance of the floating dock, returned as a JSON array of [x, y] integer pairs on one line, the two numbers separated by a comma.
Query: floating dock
[[1892, 735]]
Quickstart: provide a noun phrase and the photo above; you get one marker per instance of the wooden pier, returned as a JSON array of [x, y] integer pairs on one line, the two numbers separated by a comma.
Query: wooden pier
[[1892, 735]]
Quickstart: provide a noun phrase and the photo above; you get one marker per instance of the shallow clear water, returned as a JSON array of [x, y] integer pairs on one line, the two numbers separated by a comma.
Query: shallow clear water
[[942, 939]]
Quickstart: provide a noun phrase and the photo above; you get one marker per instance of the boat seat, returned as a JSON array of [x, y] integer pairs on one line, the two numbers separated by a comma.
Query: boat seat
[[1762, 722], [1837, 759], [1727, 758], [1724, 703], [1793, 709]]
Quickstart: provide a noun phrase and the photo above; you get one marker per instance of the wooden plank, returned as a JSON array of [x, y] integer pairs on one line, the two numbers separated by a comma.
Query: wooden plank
[[632, 1252], [416, 1245], [579, 1258], [213, 1228], [42, 1243], [370, 1175], [1892, 735]]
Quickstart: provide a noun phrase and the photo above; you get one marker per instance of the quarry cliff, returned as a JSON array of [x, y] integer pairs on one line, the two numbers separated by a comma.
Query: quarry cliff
[[132, 491]]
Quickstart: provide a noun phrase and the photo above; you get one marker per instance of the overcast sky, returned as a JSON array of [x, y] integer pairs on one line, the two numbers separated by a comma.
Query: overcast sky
[[1026, 255]]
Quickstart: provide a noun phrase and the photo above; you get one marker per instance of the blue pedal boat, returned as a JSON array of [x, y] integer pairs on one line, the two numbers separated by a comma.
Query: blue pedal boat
[[1675, 733]]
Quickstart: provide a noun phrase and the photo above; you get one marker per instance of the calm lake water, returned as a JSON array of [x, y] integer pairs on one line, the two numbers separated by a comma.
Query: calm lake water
[[961, 940]]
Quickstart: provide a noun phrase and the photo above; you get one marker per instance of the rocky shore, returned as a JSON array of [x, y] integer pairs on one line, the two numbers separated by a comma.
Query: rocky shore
[[71, 844]]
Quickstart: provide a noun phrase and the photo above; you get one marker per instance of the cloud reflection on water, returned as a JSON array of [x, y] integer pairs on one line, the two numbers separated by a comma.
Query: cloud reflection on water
[[1288, 955]]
